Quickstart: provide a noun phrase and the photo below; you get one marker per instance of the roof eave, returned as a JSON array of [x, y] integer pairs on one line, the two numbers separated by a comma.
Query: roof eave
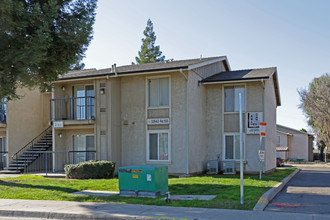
[[126, 73], [255, 79]]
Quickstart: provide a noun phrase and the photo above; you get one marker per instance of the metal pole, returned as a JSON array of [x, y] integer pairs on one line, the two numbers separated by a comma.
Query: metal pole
[[260, 162], [241, 146], [46, 162]]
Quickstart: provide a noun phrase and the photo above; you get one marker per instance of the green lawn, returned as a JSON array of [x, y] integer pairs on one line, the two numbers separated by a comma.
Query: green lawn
[[226, 187]]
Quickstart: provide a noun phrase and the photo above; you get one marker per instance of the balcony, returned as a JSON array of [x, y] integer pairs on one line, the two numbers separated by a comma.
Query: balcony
[[74, 109]]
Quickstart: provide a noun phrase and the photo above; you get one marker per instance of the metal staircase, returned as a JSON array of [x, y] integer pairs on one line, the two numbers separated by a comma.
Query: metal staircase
[[25, 156]]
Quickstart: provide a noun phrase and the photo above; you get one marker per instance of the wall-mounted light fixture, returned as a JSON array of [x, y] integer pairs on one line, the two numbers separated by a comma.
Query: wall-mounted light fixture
[[63, 88], [102, 91], [60, 135]]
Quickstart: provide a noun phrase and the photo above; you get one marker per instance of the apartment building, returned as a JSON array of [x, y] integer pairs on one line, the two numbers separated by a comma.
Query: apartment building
[[292, 144], [175, 113]]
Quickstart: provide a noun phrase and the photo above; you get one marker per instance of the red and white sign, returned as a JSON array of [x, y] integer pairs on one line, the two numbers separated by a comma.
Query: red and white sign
[[262, 128]]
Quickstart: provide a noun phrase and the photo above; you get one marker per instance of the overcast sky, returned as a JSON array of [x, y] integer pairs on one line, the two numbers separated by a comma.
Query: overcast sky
[[290, 35]]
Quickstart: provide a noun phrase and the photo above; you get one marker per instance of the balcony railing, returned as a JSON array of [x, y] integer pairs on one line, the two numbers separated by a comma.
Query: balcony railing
[[74, 108], [54, 161]]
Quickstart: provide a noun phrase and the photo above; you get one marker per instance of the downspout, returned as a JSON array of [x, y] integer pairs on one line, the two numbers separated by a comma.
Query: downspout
[[187, 125]]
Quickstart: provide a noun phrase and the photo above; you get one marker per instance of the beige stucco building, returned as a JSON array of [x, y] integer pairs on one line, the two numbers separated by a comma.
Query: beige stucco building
[[176, 113], [293, 144]]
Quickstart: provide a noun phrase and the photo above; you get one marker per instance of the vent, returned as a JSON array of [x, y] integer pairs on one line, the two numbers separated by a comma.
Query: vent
[[212, 167], [102, 109], [102, 84], [103, 132], [229, 167]]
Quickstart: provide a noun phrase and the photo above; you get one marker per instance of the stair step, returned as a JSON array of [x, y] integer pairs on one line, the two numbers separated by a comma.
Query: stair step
[[23, 161], [38, 149], [17, 164], [10, 171], [15, 168]]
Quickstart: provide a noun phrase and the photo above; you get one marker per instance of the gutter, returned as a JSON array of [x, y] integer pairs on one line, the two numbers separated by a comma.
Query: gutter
[[236, 80], [128, 73]]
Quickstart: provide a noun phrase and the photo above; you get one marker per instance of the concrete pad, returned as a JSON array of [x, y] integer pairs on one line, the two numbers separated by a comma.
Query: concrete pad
[[96, 193], [191, 197]]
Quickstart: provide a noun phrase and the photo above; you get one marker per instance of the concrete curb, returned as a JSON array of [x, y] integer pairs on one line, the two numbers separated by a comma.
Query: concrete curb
[[54, 215], [270, 194]]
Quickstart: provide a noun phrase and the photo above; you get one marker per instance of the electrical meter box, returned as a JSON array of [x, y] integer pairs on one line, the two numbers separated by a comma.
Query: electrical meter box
[[143, 180]]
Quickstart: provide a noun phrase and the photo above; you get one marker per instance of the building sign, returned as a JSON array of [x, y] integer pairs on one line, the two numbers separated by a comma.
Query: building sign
[[253, 120], [58, 124], [158, 121]]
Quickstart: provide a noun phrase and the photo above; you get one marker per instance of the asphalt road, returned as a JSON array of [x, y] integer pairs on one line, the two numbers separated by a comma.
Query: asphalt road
[[307, 192]]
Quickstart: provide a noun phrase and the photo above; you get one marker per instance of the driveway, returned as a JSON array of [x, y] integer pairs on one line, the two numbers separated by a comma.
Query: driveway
[[307, 192]]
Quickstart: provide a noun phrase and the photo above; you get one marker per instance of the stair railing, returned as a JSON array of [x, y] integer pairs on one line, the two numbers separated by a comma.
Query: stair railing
[[31, 143]]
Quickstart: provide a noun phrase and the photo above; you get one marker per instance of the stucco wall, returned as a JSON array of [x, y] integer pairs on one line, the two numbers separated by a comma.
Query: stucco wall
[[133, 121], [196, 124], [254, 103], [115, 124], [214, 133], [26, 118], [270, 119], [299, 147]]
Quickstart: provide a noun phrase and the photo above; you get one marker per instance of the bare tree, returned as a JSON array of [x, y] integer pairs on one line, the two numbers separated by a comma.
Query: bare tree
[[315, 102]]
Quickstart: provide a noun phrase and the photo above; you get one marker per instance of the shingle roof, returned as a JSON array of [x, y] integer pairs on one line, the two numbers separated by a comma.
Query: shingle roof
[[249, 74], [177, 64]]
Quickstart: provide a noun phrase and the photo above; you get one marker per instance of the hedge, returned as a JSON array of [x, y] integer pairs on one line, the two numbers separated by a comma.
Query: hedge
[[90, 170]]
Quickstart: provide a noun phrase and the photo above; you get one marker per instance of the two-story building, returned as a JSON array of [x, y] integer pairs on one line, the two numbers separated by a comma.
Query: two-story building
[[176, 113]]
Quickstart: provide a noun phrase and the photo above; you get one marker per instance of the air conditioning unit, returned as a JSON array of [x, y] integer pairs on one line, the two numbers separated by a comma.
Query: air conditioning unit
[[229, 167], [212, 167]]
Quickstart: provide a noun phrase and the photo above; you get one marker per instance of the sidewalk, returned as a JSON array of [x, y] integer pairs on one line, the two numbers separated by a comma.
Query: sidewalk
[[90, 210]]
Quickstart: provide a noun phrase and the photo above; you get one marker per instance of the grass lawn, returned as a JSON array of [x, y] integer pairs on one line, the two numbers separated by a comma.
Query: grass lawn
[[226, 187]]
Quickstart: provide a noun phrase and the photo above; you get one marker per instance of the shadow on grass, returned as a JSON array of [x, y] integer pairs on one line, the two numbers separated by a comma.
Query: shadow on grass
[[30, 186]]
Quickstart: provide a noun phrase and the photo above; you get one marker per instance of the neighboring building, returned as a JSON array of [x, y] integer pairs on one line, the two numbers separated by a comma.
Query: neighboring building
[[292, 144], [176, 113]]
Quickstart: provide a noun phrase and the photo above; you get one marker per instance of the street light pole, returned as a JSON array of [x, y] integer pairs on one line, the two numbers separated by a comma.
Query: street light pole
[[241, 146]]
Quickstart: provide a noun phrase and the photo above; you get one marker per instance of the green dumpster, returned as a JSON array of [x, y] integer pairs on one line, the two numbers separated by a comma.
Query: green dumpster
[[143, 180]]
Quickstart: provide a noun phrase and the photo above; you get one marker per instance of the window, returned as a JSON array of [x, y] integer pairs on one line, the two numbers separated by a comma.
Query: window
[[158, 146], [83, 148], [3, 110], [232, 98], [3, 153], [158, 92], [232, 147], [278, 140], [83, 102]]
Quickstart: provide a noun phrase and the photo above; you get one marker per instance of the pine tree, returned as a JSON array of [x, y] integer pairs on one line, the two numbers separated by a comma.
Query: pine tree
[[149, 52], [41, 40]]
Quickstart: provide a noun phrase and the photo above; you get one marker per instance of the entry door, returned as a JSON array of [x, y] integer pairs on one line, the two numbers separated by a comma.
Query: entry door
[[3, 153], [83, 102]]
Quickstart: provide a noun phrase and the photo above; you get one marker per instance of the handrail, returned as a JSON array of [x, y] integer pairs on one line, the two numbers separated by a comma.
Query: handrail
[[23, 149], [68, 98]]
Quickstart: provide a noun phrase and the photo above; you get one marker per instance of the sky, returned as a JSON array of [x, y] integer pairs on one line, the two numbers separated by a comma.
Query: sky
[[290, 35]]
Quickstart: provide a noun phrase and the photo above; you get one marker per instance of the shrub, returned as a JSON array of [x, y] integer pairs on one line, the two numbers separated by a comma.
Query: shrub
[[90, 170]]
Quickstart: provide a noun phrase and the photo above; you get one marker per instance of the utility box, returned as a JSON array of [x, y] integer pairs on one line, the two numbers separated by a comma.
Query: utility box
[[143, 180], [212, 167]]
